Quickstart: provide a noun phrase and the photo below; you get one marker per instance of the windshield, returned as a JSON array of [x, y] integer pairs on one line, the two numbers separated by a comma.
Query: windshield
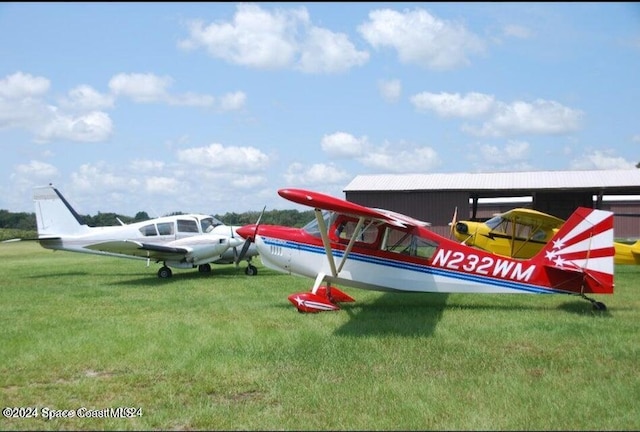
[[209, 223], [312, 227], [494, 222]]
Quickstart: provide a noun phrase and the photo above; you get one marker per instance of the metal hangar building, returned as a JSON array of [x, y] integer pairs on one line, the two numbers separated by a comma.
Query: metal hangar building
[[434, 197]]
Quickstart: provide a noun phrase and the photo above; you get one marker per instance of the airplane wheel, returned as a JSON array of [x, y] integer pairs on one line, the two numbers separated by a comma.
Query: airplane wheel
[[204, 268], [251, 270], [599, 306], [164, 273]]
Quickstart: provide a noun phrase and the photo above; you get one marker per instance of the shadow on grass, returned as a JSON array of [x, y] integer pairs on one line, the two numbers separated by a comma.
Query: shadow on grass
[[418, 314], [581, 307], [400, 314], [151, 278]]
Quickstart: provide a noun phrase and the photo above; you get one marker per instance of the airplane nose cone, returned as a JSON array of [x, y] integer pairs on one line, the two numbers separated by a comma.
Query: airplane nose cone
[[462, 228], [235, 242], [247, 231]]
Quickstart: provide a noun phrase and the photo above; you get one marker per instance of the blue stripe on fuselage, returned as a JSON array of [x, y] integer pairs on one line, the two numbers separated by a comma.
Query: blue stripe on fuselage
[[518, 286]]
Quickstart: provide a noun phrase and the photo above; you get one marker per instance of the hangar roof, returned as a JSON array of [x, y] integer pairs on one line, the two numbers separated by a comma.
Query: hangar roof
[[493, 184]]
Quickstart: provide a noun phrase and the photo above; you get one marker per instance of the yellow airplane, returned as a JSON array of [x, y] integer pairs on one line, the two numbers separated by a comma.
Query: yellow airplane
[[522, 232]]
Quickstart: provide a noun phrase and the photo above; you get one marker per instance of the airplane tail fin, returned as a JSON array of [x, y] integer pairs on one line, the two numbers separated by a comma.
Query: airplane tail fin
[[54, 215], [583, 244]]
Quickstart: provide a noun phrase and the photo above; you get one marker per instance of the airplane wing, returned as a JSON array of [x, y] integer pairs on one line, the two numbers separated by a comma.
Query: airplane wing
[[532, 218], [326, 202], [140, 249]]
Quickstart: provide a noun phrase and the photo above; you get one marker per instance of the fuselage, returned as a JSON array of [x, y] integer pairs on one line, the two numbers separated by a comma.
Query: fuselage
[[387, 258], [170, 231]]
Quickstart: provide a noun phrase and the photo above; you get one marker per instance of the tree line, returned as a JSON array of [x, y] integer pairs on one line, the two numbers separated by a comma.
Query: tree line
[[27, 221]]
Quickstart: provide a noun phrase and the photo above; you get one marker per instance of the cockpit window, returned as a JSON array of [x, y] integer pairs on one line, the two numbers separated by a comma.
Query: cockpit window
[[209, 223], [149, 230], [408, 244], [494, 222], [312, 227], [346, 230], [165, 228], [187, 225]]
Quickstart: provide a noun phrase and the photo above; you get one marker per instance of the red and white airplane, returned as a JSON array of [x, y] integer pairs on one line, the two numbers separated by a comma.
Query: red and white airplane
[[375, 249]]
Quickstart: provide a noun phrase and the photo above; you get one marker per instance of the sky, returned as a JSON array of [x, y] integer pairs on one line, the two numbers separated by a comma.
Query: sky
[[213, 107]]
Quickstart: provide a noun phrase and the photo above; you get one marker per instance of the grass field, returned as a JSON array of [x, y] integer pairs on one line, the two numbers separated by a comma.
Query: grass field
[[228, 351]]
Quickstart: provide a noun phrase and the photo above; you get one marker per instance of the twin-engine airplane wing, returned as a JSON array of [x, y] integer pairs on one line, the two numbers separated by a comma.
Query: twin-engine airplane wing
[[182, 241], [375, 249]]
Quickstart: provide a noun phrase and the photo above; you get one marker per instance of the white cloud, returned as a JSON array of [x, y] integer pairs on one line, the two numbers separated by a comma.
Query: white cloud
[[20, 85], [542, 117], [99, 175], [228, 159], [420, 38], [233, 101], [150, 88], [343, 145], [162, 185], [390, 90], [141, 87], [304, 175], [512, 152], [392, 158], [246, 182], [328, 52], [144, 165], [36, 169], [85, 98], [599, 159], [20, 103], [453, 104], [22, 106], [92, 127], [283, 38], [396, 157]]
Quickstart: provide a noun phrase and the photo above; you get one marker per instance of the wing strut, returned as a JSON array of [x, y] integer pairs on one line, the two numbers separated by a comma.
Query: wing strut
[[351, 243], [324, 233], [325, 241]]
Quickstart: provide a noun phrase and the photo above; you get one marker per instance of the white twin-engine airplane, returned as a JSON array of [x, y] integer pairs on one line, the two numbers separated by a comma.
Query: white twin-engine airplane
[[183, 241], [376, 249]]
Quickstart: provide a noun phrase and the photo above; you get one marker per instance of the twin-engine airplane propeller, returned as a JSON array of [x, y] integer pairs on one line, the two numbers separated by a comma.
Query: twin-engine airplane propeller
[[522, 232], [183, 241], [380, 250]]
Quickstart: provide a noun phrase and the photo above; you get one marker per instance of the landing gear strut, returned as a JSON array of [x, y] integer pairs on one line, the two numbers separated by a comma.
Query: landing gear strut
[[599, 306]]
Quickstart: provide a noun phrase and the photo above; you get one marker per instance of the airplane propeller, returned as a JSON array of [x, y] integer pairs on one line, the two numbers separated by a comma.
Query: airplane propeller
[[249, 239], [235, 248], [453, 222]]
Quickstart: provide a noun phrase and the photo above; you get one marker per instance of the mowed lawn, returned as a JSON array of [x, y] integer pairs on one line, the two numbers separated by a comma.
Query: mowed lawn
[[87, 334]]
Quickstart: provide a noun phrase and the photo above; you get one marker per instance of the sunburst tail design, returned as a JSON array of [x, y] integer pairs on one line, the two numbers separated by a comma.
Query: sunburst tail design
[[584, 244]]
